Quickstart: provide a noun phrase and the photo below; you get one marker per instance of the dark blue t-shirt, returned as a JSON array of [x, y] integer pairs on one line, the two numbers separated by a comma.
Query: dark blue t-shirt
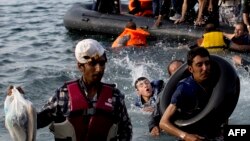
[[189, 97]]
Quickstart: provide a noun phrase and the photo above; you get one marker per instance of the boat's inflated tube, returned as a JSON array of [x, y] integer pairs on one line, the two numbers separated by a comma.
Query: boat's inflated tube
[[222, 101], [81, 18]]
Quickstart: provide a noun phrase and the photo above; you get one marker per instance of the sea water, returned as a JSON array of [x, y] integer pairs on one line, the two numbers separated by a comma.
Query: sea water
[[37, 53]]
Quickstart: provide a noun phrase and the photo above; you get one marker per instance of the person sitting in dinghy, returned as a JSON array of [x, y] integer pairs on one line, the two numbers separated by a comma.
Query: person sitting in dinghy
[[131, 36], [107, 6]]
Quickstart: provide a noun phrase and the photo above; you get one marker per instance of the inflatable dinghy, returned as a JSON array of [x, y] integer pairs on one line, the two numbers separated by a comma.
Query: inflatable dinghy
[[222, 101], [80, 18]]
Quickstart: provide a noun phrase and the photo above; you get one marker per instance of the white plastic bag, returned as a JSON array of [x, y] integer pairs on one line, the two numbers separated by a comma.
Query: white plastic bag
[[20, 117]]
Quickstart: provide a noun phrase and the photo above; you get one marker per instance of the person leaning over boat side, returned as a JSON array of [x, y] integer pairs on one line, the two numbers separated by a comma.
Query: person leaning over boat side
[[80, 107], [155, 117], [141, 8], [131, 36], [147, 93], [240, 39], [190, 97], [107, 6], [239, 61], [246, 13]]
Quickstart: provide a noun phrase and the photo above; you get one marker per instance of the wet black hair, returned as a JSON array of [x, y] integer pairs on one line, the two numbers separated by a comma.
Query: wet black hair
[[210, 27], [195, 52], [173, 61], [131, 25], [139, 79]]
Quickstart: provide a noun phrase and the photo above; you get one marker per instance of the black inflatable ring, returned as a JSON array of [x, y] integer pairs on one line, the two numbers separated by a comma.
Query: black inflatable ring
[[222, 101]]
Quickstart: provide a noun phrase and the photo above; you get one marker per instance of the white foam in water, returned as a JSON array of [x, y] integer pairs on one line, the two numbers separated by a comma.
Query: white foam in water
[[146, 66]]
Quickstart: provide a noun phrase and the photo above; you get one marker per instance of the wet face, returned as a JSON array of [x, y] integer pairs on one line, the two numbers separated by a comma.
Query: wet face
[[200, 68], [93, 70], [144, 88], [238, 30]]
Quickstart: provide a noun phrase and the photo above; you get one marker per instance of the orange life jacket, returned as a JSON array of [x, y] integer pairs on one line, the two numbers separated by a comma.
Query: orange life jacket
[[94, 126], [138, 37], [145, 7]]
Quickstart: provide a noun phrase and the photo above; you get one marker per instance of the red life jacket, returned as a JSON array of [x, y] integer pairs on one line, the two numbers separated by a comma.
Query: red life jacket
[[90, 127]]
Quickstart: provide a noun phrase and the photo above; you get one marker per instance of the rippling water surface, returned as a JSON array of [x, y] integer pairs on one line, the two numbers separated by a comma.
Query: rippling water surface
[[37, 53]]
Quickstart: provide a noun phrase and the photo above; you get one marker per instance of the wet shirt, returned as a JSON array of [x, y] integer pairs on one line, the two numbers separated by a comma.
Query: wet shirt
[[189, 97], [139, 102], [58, 108], [157, 86]]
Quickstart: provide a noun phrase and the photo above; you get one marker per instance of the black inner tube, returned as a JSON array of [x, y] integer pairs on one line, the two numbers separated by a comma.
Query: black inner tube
[[222, 101]]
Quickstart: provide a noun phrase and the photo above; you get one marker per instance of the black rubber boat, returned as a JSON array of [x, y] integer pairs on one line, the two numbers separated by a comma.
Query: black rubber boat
[[81, 18]]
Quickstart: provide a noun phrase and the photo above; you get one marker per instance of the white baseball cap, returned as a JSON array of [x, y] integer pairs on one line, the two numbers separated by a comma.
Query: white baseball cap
[[86, 49]]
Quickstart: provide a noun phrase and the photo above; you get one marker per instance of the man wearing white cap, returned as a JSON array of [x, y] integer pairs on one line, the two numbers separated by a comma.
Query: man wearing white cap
[[87, 109]]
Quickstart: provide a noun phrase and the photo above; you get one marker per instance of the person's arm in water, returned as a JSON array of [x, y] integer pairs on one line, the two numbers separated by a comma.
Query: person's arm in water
[[167, 126], [154, 120], [237, 47], [239, 61], [233, 45]]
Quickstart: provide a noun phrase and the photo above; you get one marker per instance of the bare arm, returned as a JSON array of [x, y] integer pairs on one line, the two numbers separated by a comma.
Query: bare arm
[[228, 35], [246, 20], [167, 126]]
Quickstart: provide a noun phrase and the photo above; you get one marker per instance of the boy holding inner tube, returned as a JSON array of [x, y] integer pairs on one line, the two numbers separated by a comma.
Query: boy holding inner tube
[[190, 97]]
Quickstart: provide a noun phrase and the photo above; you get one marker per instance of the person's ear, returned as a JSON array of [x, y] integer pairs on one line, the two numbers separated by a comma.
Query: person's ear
[[80, 66], [138, 92], [190, 69]]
